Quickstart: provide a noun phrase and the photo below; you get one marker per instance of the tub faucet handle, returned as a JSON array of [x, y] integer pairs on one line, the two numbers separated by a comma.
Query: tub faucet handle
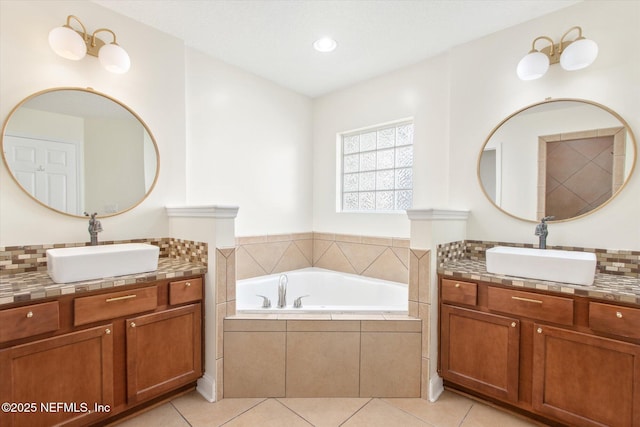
[[266, 302], [297, 303]]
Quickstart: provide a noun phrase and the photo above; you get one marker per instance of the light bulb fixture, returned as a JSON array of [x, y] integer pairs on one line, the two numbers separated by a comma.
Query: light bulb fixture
[[75, 44], [572, 55], [325, 44]]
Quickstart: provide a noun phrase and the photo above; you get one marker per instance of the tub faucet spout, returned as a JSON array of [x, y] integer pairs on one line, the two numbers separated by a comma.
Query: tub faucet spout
[[282, 291]]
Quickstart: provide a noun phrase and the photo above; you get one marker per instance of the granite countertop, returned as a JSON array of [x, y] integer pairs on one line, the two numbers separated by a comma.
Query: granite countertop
[[32, 286], [610, 287]]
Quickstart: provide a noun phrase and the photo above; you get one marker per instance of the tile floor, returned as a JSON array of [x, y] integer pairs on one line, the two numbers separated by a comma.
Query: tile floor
[[451, 410]]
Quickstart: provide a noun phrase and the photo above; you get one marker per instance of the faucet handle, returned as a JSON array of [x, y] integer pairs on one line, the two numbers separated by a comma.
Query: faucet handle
[[266, 302], [297, 303], [548, 218]]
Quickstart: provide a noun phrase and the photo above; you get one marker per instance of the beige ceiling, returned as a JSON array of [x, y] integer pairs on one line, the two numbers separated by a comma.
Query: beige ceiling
[[273, 38]]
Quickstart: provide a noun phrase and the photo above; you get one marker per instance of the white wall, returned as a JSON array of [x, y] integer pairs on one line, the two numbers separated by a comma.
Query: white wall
[[224, 135], [421, 92], [458, 98], [249, 146], [154, 88], [485, 89]]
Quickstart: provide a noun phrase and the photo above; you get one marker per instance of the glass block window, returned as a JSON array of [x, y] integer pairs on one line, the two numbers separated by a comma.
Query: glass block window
[[377, 168]]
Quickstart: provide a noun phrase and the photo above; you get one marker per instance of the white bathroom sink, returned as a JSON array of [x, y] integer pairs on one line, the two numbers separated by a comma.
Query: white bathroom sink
[[543, 264], [95, 262]]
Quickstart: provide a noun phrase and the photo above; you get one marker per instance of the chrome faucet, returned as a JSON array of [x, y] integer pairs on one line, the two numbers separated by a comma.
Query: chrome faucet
[[282, 291], [94, 228], [542, 232], [297, 303]]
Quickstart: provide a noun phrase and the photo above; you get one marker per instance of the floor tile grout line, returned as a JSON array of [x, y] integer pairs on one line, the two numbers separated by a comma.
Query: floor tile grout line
[[180, 413], [386, 402], [293, 410], [466, 415], [359, 409], [245, 411]]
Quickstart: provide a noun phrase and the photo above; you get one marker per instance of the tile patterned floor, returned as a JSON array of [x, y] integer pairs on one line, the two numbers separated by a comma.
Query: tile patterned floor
[[451, 410]]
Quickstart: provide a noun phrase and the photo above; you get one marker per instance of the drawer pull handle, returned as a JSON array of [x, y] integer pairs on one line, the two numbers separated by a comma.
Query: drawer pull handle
[[187, 284], [618, 315], [107, 331], [30, 315], [457, 285], [539, 330], [121, 298], [132, 324], [535, 301], [513, 324]]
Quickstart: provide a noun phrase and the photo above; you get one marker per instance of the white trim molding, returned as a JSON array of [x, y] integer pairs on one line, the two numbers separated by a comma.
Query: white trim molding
[[437, 214], [203, 211]]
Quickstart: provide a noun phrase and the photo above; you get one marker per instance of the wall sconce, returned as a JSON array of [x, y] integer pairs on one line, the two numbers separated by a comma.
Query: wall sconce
[[74, 44], [572, 55]]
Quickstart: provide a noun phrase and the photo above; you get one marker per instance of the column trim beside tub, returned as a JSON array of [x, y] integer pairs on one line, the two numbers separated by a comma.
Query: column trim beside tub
[[204, 211], [215, 225], [429, 228]]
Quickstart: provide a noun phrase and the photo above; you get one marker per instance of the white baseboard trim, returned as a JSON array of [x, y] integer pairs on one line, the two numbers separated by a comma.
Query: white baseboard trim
[[436, 387], [207, 387]]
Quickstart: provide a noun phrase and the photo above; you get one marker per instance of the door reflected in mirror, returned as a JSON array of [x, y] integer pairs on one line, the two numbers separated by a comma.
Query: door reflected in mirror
[[564, 158], [76, 150]]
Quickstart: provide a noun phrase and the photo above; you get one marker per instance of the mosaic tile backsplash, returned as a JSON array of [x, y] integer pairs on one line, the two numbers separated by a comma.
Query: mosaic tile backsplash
[[609, 261], [31, 258]]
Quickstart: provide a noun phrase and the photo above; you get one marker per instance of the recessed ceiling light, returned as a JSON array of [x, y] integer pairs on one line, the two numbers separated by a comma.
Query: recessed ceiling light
[[325, 44]]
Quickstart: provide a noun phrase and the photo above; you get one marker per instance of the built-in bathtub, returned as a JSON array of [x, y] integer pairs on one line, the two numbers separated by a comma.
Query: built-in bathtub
[[328, 292]]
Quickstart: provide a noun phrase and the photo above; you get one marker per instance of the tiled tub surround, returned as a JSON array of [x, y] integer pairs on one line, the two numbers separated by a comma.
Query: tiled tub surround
[[386, 258], [379, 257], [342, 357], [617, 272], [23, 273]]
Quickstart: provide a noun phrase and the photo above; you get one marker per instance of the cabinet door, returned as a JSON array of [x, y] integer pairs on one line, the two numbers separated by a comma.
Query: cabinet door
[[59, 380], [480, 351], [164, 351], [585, 380]]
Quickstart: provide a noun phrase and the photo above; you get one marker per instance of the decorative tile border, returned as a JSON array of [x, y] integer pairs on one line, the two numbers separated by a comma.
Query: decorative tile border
[[33, 258]]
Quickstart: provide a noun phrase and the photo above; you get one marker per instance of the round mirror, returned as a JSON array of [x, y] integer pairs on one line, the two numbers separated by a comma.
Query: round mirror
[[76, 150], [563, 158]]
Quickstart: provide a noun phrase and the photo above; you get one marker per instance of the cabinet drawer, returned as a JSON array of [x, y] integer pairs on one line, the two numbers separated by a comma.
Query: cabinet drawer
[[185, 291], [114, 304], [30, 320], [528, 304], [615, 320], [459, 292]]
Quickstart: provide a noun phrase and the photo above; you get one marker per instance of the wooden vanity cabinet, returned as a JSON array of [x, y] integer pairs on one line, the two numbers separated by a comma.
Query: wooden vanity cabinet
[[563, 359], [481, 351], [74, 369], [164, 350], [109, 353], [585, 380]]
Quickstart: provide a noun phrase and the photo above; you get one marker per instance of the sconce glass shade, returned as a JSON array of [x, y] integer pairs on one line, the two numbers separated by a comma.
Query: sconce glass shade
[[579, 54], [114, 58], [67, 43], [533, 66]]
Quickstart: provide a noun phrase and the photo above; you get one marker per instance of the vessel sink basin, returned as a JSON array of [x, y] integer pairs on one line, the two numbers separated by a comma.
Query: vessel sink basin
[[66, 265], [543, 264]]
